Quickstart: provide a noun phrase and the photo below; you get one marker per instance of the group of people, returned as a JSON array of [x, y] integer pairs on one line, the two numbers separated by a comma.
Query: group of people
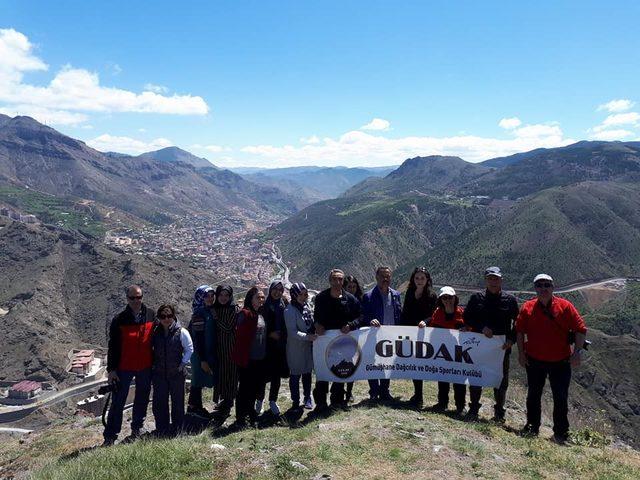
[[240, 350]]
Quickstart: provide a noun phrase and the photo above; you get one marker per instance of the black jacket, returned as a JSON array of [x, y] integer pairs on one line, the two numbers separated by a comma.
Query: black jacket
[[498, 312], [335, 313], [415, 310]]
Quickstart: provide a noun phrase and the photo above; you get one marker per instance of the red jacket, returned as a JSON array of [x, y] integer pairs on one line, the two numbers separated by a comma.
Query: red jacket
[[546, 332], [130, 341], [246, 327], [439, 320]]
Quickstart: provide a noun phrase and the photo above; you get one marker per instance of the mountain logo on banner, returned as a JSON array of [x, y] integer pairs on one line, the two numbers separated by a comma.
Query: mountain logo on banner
[[343, 356]]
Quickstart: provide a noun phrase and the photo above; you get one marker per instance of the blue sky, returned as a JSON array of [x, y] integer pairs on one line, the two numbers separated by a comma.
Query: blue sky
[[266, 83]]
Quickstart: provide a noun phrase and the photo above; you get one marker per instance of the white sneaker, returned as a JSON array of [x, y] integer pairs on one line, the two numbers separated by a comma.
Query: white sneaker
[[275, 409], [259, 407]]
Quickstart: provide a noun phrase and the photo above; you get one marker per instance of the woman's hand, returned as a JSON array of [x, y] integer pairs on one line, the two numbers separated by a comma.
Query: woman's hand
[[422, 324], [206, 368]]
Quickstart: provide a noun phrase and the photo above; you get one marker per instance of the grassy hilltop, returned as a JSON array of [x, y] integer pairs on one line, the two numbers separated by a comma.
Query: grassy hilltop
[[376, 442]]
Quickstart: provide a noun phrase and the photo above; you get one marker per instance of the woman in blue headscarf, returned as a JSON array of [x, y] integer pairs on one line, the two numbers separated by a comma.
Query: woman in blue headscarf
[[202, 329]]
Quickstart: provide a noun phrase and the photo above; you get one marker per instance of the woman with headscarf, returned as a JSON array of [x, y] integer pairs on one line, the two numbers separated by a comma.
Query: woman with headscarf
[[226, 387], [249, 353], [418, 306], [276, 361], [203, 332], [298, 318]]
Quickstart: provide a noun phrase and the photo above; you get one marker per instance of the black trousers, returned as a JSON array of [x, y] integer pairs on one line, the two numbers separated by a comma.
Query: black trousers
[[499, 394], [559, 374], [322, 388], [167, 387], [251, 378], [274, 381], [459, 394]]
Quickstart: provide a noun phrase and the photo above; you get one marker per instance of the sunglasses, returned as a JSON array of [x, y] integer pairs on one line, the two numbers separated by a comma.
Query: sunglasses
[[543, 285], [137, 297], [163, 316], [446, 297]]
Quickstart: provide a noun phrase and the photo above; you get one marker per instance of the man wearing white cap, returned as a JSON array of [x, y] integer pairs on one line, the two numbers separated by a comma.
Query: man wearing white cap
[[492, 312], [544, 327]]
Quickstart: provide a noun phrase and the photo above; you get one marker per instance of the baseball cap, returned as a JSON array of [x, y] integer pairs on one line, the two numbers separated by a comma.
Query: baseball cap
[[542, 276], [495, 271], [447, 291]]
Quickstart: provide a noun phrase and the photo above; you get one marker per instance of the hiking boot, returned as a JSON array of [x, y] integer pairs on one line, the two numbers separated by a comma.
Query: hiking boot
[[135, 433], [199, 412], [308, 404], [417, 402], [459, 410], [385, 397], [349, 398], [275, 409], [529, 431], [439, 407], [560, 438], [108, 442], [498, 415], [259, 407]]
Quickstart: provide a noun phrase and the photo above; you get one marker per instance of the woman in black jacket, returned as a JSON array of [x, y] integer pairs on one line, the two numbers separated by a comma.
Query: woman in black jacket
[[417, 308], [276, 360]]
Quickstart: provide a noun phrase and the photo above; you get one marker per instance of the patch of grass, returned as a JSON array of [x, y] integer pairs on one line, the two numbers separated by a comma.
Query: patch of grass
[[64, 212]]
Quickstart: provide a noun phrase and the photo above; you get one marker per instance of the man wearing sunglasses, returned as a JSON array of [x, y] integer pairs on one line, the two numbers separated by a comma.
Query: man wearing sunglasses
[[543, 332], [129, 357]]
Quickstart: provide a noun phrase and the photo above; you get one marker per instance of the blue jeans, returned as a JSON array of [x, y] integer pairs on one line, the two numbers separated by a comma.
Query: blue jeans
[[119, 398], [378, 387]]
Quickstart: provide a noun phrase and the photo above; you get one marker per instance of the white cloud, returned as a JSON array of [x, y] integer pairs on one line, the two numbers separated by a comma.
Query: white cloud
[[110, 143], [45, 115], [376, 124], [114, 69], [210, 148], [312, 140], [359, 148], [510, 123], [150, 87], [611, 135], [619, 105], [75, 89], [16, 57], [539, 131], [629, 118]]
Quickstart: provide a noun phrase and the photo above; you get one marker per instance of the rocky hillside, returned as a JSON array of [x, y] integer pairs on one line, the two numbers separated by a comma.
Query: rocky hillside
[[150, 186], [59, 289]]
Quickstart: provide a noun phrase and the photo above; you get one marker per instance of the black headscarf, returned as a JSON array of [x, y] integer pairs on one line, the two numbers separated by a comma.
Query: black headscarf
[[231, 303]]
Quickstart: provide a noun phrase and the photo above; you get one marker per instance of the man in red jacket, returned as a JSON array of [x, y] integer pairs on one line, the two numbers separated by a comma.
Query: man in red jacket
[[129, 357], [543, 333]]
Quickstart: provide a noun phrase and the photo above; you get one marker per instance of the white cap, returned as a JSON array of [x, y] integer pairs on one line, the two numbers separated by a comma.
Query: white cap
[[447, 291], [542, 276]]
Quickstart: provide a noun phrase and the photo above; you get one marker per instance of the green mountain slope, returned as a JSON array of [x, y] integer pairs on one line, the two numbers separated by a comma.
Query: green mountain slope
[[582, 232], [358, 233]]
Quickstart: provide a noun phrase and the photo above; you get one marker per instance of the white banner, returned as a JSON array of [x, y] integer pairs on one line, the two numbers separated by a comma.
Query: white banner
[[409, 352]]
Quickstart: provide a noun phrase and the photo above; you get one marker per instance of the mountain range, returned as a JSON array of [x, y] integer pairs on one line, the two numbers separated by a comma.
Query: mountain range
[[151, 187], [312, 184], [528, 213]]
